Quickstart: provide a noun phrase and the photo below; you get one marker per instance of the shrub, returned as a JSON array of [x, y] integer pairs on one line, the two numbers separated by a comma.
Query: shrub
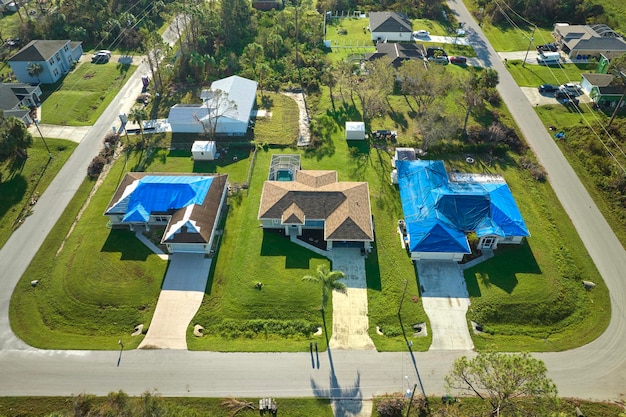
[[96, 166], [391, 405]]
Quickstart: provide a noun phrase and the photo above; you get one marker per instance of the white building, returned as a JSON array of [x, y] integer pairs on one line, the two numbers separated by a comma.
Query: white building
[[355, 131], [203, 150]]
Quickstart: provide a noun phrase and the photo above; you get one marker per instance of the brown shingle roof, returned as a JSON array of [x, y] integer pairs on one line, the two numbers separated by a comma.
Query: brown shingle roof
[[293, 215], [344, 206]]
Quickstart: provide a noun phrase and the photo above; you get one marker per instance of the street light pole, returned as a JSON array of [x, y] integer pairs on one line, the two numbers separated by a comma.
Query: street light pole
[[42, 138], [530, 41]]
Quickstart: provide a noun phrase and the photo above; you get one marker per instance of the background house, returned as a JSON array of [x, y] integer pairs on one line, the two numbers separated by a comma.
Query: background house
[[16, 99], [54, 56], [601, 89], [229, 101], [187, 205], [441, 209], [584, 41], [316, 200], [390, 26], [397, 52]]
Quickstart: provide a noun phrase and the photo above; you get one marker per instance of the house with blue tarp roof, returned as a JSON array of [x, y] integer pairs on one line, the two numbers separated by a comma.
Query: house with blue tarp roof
[[441, 209], [187, 205]]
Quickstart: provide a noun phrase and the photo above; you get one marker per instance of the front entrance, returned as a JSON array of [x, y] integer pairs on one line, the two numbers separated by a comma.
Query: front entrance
[[488, 243]]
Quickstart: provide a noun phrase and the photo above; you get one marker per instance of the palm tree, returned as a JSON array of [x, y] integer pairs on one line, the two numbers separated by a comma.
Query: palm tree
[[138, 115], [329, 280], [34, 70]]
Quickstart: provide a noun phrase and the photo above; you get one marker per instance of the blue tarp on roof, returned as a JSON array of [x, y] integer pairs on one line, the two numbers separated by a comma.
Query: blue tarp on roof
[[163, 193], [439, 213]]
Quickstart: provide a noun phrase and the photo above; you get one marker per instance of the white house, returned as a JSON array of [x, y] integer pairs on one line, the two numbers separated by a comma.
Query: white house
[[225, 109], [203, 150], [16, 99], [54, 56], [355, 131], [390, 26], [188, 206]]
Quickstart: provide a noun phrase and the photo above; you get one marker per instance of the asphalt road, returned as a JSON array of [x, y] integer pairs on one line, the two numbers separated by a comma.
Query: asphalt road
[[595, 371]]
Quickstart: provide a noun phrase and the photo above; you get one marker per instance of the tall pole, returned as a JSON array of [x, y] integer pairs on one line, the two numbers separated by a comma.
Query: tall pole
[[530, 41], [296, 34], [621, 100], [42, 138]]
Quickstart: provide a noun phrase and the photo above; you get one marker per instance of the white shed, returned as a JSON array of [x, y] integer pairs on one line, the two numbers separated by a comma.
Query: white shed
[[203, 150], [355, 131]]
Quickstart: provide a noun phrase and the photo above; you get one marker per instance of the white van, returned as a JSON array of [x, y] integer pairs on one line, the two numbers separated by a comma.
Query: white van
[[548, 58]]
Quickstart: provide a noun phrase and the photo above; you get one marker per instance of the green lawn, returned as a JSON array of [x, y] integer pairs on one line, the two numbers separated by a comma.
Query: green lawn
[[281, 128], [80, 98], [22, 180], [534, 75]]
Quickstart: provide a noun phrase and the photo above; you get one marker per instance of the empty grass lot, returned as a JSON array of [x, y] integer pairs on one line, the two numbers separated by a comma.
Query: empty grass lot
[[81, 97], [535, 75], [21, 180]]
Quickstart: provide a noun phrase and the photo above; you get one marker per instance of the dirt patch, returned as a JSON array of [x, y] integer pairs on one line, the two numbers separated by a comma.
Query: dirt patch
[[89, 75]]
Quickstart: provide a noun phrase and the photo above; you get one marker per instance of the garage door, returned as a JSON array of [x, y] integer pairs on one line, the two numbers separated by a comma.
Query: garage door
[[345, 244]]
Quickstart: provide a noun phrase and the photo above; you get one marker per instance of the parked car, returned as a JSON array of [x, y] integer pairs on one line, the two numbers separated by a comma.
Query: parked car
[[461, 60], [13, 41], [421, 33], [103, 52], [547, 88], [547, 47], [100, 58], [571, 88], [434, 51], [440, 59]]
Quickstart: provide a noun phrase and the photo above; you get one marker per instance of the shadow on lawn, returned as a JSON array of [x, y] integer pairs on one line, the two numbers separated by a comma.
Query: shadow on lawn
[[276, 243], [502, 269], [125, 242], [372, 269], [12, 191]]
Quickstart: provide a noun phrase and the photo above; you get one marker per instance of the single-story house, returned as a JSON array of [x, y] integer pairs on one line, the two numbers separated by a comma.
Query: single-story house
[[16, 99], [203, 150], [355, 131], [390, 26], [225, 109], [55, 57], [601, 89], [441, 209], [188, 205], [584, 41], [317, 200], [397, 52]]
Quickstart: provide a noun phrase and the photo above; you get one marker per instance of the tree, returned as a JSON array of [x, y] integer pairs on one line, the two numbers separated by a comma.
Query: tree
[[216, 106], [138, 115], [507, 381], [14, 136], [424, 84], [475, 90], [329, 281], [372, 84], [34, 70]]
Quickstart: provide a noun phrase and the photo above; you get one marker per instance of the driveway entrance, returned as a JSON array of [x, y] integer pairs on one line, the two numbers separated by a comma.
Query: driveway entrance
[[180, 298], [445, 300]]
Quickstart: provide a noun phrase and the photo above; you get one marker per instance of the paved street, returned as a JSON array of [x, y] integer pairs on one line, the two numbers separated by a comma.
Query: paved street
[[595, 371]]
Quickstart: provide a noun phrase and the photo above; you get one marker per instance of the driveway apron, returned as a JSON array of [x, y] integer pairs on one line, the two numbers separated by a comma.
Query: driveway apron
[[180, 298], [445, 300], [350, 320]]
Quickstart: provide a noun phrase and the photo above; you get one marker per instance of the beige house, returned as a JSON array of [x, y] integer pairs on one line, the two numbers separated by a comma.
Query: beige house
[[584, 41], [317, 200]]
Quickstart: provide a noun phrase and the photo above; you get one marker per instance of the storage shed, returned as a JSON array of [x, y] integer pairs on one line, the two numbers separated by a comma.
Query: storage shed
[[355, 131], [203, 150]]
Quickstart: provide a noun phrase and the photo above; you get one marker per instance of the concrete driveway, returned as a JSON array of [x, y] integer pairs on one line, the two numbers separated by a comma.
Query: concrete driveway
[[180, 298], [350, 319], [445, 300]]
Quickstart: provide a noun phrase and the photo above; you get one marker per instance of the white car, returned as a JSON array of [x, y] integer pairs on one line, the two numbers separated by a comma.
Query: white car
[[570, 88], [421, 33], [103, 52]]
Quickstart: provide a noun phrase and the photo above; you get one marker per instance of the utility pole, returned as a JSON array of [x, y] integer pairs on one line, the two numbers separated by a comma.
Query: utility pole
[[530, 41], [42, 138], [621, 99]]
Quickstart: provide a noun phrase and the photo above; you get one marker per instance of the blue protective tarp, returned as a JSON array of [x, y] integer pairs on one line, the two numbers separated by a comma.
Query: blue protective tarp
[[439, 213], [161, 193]]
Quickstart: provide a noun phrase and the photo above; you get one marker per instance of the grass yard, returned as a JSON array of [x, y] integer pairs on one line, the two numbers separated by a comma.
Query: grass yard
[[282, 127], [97, 289], [172, 406], [81, 97], [22, 180], [535, 75]]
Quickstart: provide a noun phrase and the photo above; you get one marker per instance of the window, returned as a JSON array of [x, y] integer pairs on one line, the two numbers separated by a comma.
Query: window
[[58, 57], [66, 48], [161, 219], [55, 72], [51, 61], [276, 221], [488, 242]]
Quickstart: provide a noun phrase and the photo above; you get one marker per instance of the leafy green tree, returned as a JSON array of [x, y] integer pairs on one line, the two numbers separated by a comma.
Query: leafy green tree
[[14, 136], [329, 281], [476, 89], [513, 383], [423, 84]]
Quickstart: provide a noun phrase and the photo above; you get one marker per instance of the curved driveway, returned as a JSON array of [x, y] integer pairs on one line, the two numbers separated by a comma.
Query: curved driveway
[[595, 371]]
